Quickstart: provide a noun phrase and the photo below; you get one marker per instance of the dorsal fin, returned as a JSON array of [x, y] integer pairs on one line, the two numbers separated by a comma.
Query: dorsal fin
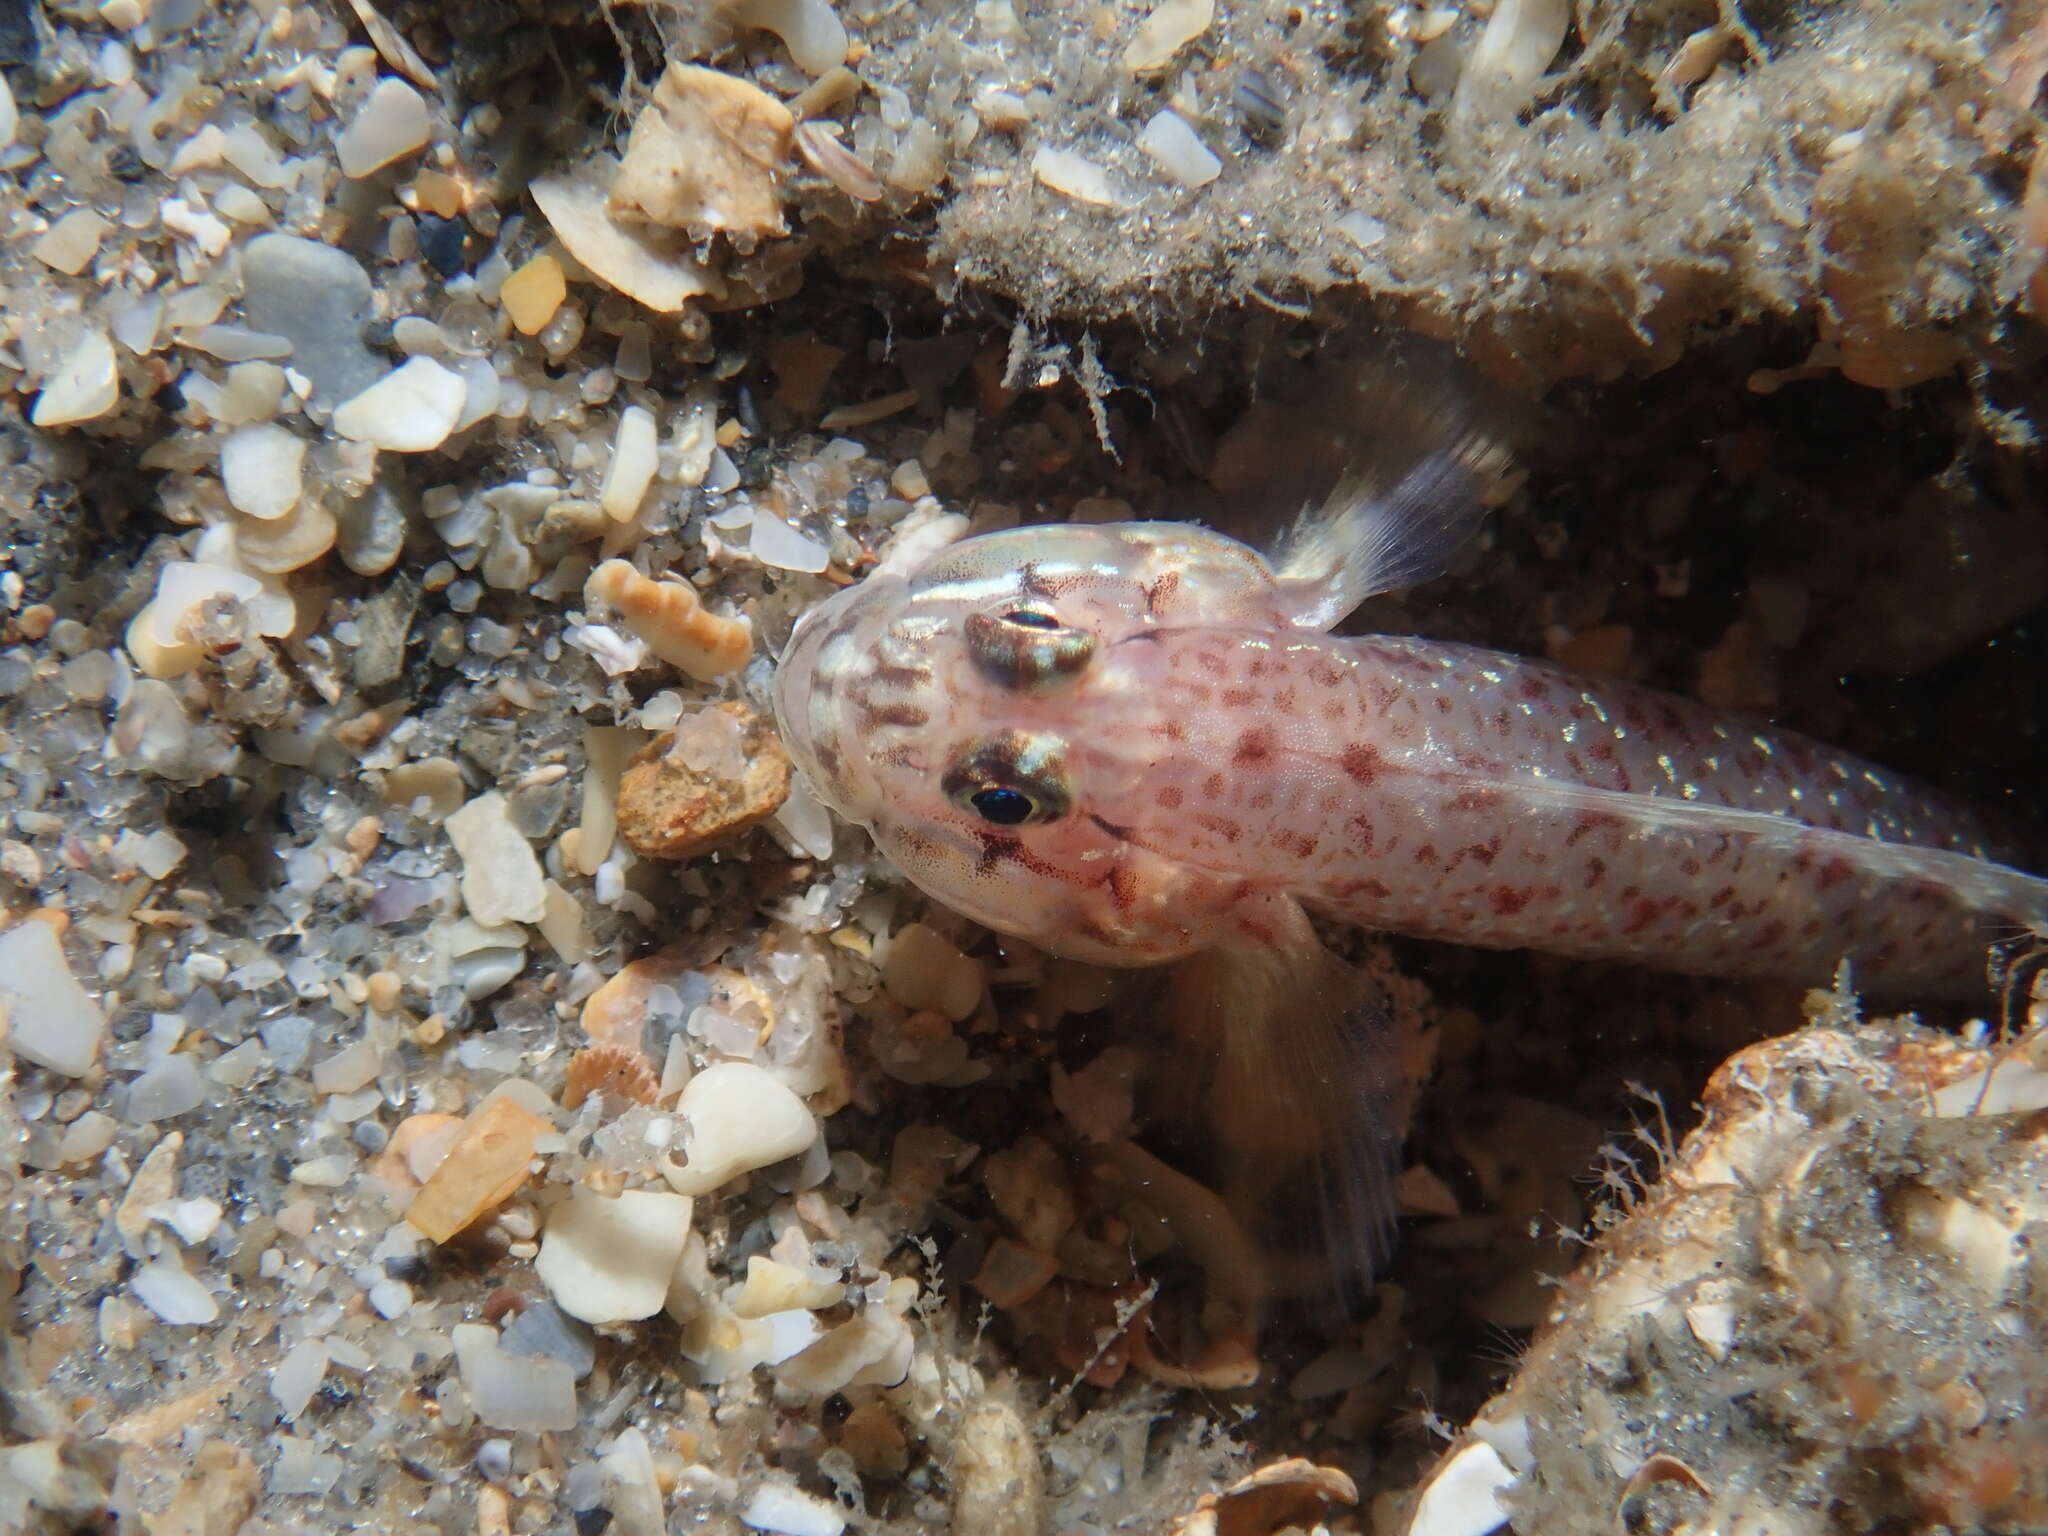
[[1426, 445]]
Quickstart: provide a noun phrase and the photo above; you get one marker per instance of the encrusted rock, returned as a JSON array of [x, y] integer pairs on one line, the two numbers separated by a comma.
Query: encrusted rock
[[672, 808]]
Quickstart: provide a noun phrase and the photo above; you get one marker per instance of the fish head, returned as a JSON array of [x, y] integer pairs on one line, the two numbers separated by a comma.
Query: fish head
[[984, 718]]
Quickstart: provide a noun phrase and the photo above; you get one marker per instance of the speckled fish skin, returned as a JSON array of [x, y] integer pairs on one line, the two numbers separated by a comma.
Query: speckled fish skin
[[1193, 747]]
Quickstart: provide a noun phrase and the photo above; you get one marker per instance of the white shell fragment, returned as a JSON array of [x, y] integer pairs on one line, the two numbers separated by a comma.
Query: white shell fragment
[[51, 1020], [389, 125], [775, 543], [502, 881], [632, 466], [174, 1296], [1076, 176], [609, 1260], [297, 1376], [156, 636], [661, 278], [814, 36], [772, 1286], [1178, 151], [1507, 63], [740, 1117], [410, 410], [789, 1511], [510, 1391], [87, 384], [1463, 1498], [1172, 24], [262, 468]]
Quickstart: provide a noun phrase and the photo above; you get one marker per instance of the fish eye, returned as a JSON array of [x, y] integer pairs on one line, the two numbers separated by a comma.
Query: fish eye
[[1011, 779], [1002, 807], [1027, 650]]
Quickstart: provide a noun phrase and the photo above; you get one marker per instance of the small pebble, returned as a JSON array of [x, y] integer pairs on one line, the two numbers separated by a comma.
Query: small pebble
[[86, 384], [174, 1296], [609, 1260], [172, 1087], [443, 241], [411, 410], [634, 459], [741, 1117], [262, 467], [1178, 151], [502, 881], [511, 1392], [69, 245], [532, 294], [317, 298], [389, 125], [53, 1021]]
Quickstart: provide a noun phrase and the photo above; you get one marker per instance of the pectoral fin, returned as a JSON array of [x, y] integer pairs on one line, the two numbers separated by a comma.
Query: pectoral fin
[[1293, 1068]]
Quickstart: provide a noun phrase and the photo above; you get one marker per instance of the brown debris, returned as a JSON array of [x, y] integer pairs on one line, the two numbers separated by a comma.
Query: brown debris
[[1282, 1495], [216, 1500], [668, 810], [1012, 1274]]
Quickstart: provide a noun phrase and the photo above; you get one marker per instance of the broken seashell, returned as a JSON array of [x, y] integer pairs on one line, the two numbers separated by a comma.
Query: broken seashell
[[706, 155], [617, 1074], [639, 263], [814, 36], [1283, 1495], [672, 620], [1172, 25], [287, 543], [1077, 177], [819, 145]]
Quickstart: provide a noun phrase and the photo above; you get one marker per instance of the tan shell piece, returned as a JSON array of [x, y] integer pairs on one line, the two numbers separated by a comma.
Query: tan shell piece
[[672, 620], [481, 1172], [668, 810], [705, 156], [1280, 1496], [614, 1014]]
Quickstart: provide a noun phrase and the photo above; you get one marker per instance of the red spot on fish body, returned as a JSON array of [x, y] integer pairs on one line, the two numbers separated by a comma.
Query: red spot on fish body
[[1254, 747], [1362, 762], [1297, 845]]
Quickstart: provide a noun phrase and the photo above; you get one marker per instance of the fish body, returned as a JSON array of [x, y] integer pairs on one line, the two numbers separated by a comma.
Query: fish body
[[1140, 743], [1165, 747]]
